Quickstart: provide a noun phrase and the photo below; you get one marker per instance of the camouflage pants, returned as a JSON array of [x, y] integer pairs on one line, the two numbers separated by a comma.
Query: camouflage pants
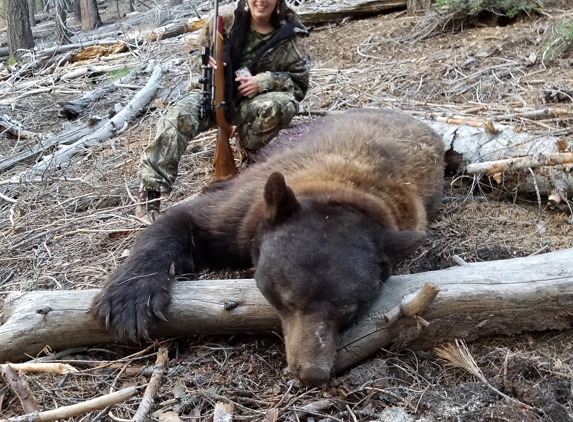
[[258, 121]]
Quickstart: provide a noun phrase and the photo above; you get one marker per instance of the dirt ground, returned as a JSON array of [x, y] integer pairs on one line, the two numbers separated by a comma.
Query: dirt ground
[[71, 228]]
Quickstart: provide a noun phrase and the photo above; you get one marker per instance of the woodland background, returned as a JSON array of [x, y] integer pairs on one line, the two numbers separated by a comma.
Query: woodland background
[[67, 226]]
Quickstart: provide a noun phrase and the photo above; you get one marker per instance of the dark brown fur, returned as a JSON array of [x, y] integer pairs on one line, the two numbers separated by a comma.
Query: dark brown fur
[[323, 221]]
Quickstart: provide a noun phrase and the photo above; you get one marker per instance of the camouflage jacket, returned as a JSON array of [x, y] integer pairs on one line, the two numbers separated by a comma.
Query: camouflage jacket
[[282, 65]]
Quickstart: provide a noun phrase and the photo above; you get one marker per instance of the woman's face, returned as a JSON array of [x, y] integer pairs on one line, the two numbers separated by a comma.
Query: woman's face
[[262, 10]]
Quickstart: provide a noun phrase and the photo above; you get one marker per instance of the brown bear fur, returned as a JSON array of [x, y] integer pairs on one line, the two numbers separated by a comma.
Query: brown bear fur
[[323, 221]]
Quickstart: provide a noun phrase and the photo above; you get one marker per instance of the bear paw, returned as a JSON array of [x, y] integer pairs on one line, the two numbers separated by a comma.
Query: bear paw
[[130, 307]]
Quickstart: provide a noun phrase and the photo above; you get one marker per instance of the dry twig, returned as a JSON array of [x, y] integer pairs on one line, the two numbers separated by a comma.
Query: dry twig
[[66, 412], [154, 384], [44, 368], [21, 388]]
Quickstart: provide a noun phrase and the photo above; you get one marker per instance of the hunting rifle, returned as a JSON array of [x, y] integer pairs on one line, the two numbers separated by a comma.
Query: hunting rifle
[[213, 99]]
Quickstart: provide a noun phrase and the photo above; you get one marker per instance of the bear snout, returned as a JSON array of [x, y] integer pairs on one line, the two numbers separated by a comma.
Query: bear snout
[[312, 375], [310, 342]]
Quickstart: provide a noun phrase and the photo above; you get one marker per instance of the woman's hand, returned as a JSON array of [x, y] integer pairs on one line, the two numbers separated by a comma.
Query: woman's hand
[[213, 63], [248, 86]]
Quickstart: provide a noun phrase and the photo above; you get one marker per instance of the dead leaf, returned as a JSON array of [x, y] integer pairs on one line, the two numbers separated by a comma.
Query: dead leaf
[[272, 415], [169, 417], [489, 127], [562, 145], [195, 414], [159, 104], [223, 412], [179, 390]]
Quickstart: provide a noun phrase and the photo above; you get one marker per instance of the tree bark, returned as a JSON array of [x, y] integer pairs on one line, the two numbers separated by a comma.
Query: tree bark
[[90, 15], [62, 31], [317, 13], [76, 7], [18, 27], [32, 11], [483, 299], [473, 142]]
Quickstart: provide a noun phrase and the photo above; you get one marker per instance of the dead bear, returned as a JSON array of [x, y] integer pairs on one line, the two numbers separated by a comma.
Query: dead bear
[[323, 221]]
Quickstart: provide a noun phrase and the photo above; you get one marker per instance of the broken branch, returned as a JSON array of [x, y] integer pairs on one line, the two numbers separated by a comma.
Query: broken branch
[[44, 368], [512, 165], [154, 383], [115, 126], [66, 412], [21, 388]]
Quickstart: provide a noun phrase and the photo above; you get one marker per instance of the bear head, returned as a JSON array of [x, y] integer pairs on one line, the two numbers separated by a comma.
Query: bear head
[[319, 264]]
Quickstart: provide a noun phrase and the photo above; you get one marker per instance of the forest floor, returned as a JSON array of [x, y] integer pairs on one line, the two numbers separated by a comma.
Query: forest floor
[[71, 228]]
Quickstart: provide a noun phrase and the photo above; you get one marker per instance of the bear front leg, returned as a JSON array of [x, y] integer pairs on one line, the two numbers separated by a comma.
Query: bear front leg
[[138, 292]]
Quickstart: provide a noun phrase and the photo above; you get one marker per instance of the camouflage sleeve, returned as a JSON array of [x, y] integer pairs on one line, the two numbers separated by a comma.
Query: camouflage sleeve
[[292, 62], [205, 39], [194, 62]]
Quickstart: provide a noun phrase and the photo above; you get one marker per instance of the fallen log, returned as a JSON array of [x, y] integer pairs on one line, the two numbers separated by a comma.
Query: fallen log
[[72, 109], [468, 144], [66, 137], [115, 126], [318, 13], [91, 69], [482, 299], [97, 51], [15, 128], [58, 49]]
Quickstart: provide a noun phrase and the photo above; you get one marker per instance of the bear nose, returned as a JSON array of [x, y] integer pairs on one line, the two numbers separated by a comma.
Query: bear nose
[[312, 375]]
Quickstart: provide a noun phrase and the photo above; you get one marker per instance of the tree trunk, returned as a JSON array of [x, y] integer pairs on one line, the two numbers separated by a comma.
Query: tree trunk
[[77, 10], [18, 27], [32, 11], [482, 299], [131, 5], [62, 30], [90, 15]]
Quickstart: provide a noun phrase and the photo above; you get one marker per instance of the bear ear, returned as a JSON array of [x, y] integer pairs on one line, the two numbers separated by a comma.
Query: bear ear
[[399, 243], [280, 202]]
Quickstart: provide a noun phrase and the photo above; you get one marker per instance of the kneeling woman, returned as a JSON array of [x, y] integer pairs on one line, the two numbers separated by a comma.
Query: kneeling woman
[[266, 37]]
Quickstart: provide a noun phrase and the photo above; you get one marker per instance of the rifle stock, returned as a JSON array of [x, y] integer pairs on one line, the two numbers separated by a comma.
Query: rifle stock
[[223, 161]]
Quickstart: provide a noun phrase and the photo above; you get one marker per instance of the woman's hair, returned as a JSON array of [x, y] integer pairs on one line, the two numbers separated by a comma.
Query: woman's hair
[[285, 12]]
